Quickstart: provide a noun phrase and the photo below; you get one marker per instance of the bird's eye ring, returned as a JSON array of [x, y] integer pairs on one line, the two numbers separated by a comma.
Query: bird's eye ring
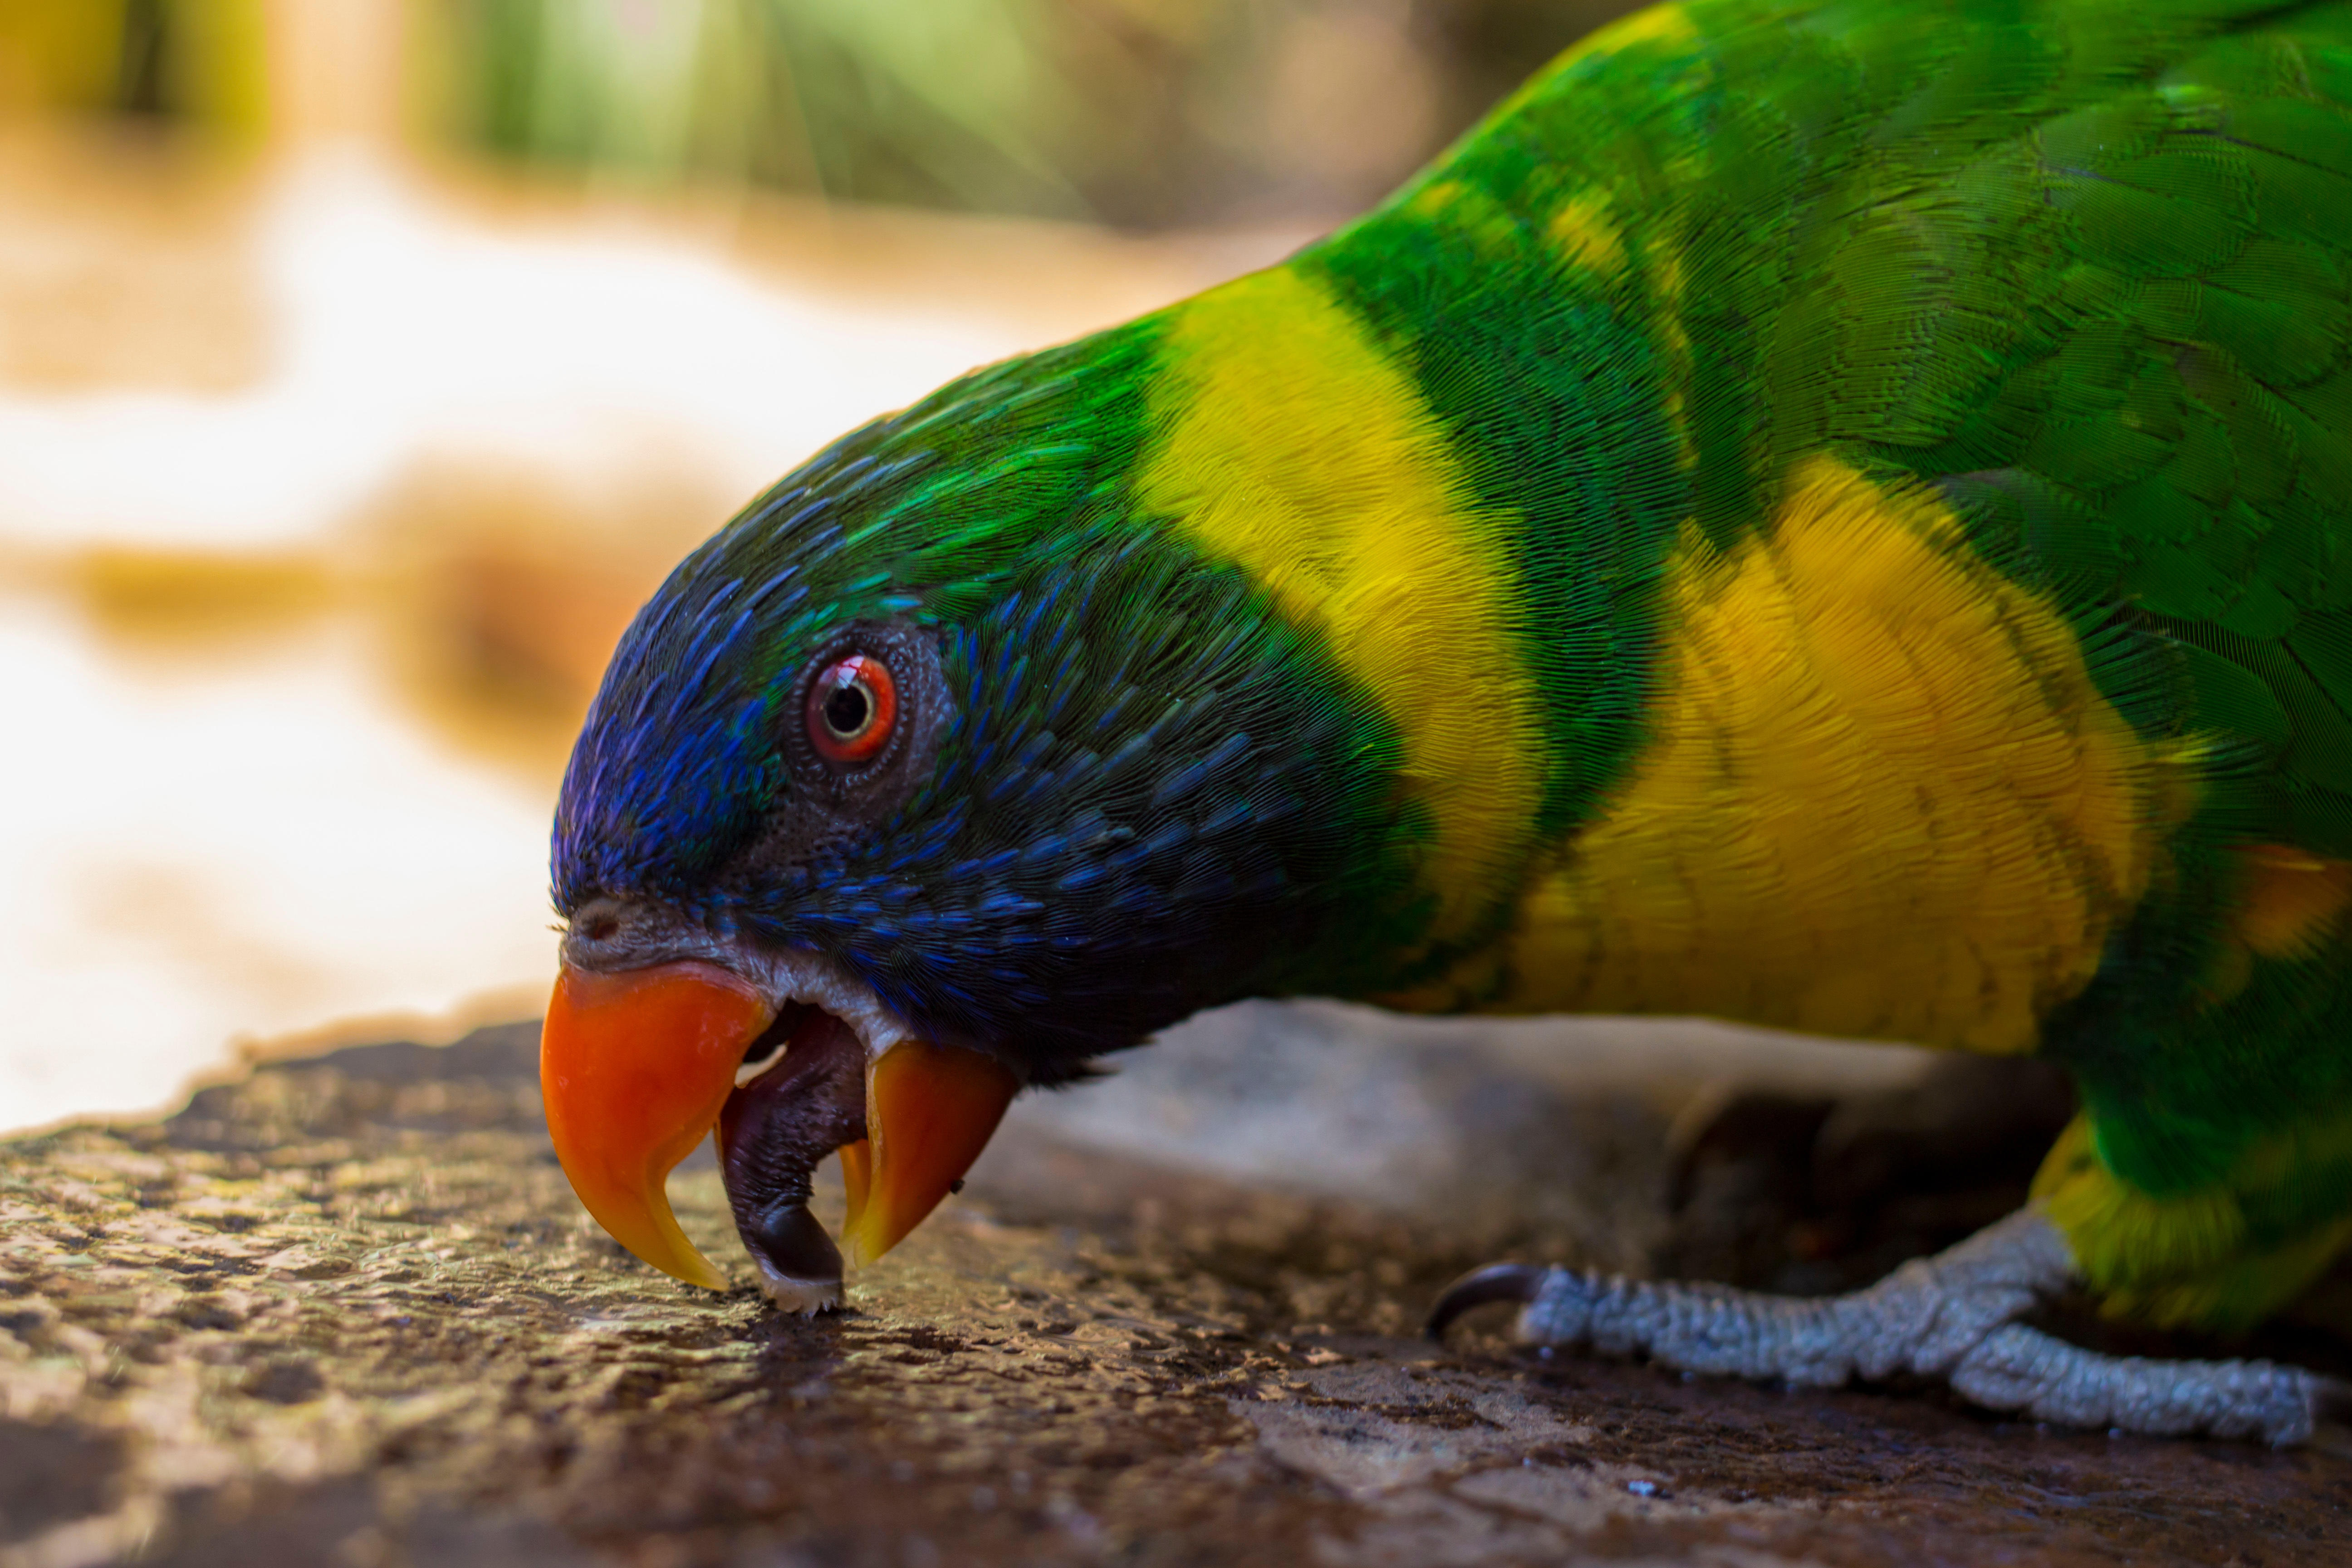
[[852, 706]]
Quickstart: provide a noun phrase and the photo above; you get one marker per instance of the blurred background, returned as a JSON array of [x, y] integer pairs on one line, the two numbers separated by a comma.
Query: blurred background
[[364, 363]]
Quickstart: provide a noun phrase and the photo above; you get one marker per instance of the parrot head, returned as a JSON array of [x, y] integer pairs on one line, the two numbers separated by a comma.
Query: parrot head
[[942, 768]]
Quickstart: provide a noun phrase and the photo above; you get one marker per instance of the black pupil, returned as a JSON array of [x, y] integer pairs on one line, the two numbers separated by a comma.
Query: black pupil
[[846, 709]]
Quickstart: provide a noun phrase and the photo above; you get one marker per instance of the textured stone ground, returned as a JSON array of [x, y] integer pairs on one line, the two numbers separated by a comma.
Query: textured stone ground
[[346, 1312]]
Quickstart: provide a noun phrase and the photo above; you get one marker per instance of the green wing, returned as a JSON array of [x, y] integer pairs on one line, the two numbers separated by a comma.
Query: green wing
[[2085, 265], [2141, 353]]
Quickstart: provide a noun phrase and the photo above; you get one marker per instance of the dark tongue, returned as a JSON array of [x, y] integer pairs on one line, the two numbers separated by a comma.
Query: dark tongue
[[771, 1134]]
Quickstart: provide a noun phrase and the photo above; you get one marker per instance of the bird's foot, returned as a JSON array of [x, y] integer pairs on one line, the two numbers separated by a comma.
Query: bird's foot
[[1953, 1317]]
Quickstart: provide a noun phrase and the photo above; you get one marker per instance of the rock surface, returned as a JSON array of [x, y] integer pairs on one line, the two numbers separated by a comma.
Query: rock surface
[[346, 1311]]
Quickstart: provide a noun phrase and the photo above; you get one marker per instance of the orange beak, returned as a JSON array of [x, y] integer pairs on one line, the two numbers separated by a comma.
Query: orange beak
[[930, 1110], [636, 1067], [633, 1068]]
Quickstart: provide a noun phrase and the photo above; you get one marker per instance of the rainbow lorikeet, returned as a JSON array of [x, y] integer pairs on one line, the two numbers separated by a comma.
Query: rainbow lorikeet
[[1833, 515]]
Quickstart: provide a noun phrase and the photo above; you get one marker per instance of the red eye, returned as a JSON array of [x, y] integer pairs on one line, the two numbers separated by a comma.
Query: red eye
[[852, 708]]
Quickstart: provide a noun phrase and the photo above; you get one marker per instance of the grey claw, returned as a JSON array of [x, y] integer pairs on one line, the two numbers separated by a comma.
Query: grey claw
[[1496, 1282]]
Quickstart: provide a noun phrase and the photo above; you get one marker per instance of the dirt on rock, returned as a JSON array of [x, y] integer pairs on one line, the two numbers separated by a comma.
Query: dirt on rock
[[346, 1311]]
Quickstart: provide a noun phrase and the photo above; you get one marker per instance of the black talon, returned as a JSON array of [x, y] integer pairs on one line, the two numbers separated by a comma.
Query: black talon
[[1496, 1282]]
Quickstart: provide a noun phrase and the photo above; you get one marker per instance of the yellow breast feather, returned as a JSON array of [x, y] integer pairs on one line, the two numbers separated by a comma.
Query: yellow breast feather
[[1883, 798]]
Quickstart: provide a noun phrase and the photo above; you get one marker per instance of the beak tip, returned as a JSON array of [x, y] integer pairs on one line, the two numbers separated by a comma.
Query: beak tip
[[700, 1273], [864, 1245]]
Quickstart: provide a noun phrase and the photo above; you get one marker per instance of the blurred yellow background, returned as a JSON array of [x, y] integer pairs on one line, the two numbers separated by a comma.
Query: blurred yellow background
[[364, 363]]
